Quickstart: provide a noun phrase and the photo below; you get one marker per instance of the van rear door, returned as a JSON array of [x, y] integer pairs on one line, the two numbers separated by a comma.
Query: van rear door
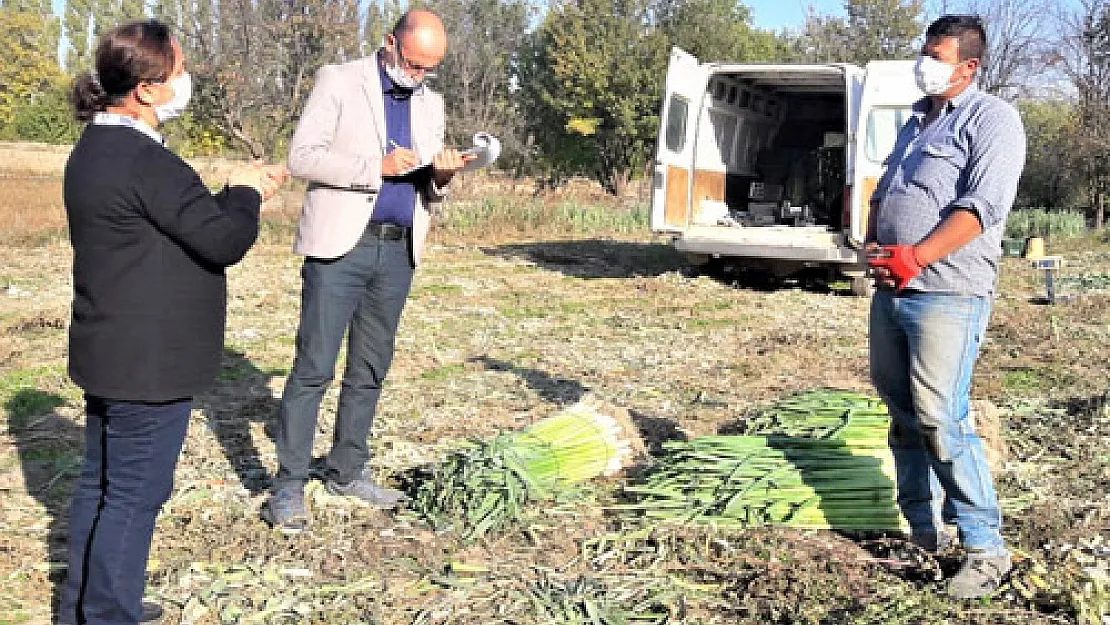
[[674, 153], [889, 90]]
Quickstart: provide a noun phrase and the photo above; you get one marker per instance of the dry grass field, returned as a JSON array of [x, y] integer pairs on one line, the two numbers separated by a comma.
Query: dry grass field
[[526, 305]]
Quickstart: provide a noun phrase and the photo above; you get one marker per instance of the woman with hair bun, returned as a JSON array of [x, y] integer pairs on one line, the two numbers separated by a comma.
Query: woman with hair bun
[[150, 244]]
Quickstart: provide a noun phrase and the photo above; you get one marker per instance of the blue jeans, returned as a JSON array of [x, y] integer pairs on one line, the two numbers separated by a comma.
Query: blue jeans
[[361, 294], [923, 351], [131, 451]]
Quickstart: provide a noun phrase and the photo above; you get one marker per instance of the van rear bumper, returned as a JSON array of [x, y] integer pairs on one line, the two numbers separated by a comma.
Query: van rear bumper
[[807, 245]]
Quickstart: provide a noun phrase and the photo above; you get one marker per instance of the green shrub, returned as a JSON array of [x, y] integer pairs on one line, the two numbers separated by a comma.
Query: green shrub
[[48, 118], [1047, 223]]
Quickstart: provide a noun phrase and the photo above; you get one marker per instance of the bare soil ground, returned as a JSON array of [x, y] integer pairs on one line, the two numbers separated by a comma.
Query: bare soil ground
[[500, 333]]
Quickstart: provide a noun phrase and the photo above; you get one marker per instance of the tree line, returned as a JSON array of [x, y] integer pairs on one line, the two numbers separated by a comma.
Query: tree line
[[573, 88]]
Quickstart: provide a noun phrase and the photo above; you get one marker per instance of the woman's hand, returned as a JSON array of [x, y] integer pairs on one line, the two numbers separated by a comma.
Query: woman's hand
[[260, 176]]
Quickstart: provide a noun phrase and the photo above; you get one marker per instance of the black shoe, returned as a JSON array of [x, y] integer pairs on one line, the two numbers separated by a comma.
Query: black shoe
[[152, 613]]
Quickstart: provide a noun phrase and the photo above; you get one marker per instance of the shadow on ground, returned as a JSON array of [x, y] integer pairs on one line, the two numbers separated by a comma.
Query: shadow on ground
[[756, 277], [51, 448], [655, 431], [550, 388], [596, 258], [241, 397], [603, 258]]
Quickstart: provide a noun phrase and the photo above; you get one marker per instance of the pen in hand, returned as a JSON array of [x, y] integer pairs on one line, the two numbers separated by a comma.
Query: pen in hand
[[402, 159]]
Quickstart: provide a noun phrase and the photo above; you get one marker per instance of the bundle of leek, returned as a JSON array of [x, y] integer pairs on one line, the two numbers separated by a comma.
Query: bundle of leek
[[821, 413], [844, 480], [484, 486]]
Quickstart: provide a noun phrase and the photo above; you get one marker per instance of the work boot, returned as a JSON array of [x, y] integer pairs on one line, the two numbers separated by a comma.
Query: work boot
[[286, 510], [367, 491], [980, 576]]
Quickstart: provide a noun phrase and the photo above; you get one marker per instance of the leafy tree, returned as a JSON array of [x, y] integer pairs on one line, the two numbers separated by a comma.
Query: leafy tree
[[485, 38], [1015, 42], [598, 73], [1084, 56], [172, 12], [872, 30], [884, 29], [254, 62], [1049, 129], [107, 14], [380, 18], [717, 30], [78, 22], [824, 39], [86, 20], [552, 153], [29, 47]]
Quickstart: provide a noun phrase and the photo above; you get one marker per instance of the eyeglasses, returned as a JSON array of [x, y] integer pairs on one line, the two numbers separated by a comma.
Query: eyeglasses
[[409, 65]]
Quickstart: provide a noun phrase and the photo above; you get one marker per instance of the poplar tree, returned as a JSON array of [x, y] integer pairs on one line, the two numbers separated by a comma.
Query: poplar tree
[[29, 35]]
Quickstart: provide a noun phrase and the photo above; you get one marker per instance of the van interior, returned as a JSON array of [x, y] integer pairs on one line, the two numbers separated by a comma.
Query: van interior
[[770, 149]]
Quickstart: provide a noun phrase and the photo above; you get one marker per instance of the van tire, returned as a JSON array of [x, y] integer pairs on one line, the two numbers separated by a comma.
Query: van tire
[[697, 260], [862, 286]]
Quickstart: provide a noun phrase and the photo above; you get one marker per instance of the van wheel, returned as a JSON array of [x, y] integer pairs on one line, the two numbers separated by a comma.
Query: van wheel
[[862, 286], [697, 259]]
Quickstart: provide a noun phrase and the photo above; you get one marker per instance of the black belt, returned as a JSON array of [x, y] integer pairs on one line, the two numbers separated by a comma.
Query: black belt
[[389, 232]]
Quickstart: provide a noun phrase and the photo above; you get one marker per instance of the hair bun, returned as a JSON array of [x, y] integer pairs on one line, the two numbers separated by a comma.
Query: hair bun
[[88, 96]]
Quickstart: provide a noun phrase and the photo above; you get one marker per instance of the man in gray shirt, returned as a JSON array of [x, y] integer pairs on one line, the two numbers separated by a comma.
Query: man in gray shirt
[[934, 240]]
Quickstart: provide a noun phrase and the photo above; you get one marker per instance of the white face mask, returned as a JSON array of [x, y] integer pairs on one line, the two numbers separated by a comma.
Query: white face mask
[[400, 77], [182, 90], [933, 77]]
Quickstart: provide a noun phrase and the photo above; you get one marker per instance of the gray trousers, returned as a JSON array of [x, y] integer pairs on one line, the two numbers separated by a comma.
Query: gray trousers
[[362, 294]]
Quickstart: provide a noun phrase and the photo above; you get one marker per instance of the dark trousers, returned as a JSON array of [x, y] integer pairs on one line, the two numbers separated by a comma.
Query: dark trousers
[[362, 294], [131, 451]]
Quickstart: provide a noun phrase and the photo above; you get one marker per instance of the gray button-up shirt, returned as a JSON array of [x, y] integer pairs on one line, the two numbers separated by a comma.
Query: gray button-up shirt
[[971, 158]]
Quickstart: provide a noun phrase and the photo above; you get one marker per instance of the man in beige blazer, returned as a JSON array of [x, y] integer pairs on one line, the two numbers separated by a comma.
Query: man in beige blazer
[[370, 145]]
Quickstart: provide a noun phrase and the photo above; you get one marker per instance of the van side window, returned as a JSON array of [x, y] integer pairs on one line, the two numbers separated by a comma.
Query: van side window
[[731, 95], [676, 124], [883, 125]]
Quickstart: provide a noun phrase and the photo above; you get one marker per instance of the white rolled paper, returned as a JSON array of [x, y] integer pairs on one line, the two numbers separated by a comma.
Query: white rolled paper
[[486, 150]]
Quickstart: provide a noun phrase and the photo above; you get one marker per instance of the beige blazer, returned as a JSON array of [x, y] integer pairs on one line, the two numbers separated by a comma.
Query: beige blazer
[[338, 148]]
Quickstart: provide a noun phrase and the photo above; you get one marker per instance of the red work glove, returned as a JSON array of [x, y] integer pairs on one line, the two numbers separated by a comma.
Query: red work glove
[[896, 263]]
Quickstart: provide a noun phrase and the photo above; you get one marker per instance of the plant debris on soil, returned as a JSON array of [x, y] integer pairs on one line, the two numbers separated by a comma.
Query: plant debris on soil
[[501, 334]]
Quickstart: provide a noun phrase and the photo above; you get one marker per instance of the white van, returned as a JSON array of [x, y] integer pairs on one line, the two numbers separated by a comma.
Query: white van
[[771, 165]]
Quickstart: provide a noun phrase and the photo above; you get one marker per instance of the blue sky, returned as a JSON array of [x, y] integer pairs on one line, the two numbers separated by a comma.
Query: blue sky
[[778, 14]]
